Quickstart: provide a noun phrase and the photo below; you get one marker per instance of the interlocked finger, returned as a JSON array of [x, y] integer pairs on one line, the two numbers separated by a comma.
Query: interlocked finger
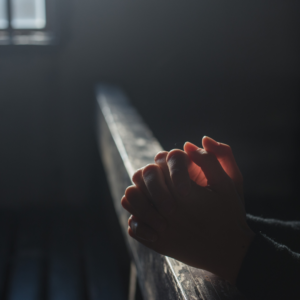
[[178, 163], [138, 180], [140, 230], [161, 160], [154, 179], [141, 208]]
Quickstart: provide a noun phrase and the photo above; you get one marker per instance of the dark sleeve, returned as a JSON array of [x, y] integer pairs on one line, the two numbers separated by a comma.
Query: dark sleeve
[[269, 271], [282, 232]]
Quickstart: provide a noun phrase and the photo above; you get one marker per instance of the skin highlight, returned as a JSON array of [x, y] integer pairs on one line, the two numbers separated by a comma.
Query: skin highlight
[[189, 205]]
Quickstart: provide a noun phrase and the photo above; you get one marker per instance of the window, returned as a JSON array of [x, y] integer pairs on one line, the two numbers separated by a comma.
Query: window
[[3, 16], [26, 22]]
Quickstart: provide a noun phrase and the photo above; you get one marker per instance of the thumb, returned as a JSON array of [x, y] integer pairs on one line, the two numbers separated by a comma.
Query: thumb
[[225, 156], [208, 162]]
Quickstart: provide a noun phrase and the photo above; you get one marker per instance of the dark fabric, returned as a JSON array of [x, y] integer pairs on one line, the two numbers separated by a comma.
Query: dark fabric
[[286, 233], [271, 270]]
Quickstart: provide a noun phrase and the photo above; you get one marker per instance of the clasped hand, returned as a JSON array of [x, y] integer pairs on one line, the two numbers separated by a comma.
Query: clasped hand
[[189, 205]]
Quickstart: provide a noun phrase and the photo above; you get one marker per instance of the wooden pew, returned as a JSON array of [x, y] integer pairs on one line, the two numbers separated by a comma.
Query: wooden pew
[[126, 144]]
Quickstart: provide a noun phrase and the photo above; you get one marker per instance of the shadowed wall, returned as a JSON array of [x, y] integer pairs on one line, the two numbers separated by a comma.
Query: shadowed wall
[[227, 70]]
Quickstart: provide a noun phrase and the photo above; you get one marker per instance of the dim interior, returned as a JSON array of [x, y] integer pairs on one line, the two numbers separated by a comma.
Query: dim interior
[[190, 68]]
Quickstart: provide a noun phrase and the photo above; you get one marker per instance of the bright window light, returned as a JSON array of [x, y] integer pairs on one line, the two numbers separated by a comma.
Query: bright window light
[[3, 15], [28, 14]]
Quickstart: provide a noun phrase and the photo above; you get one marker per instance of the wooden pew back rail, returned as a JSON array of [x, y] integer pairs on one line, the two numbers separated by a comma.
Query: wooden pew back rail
[[126, 144]]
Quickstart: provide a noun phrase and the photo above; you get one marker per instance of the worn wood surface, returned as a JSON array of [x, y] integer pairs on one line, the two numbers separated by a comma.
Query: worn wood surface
[[126, 144]]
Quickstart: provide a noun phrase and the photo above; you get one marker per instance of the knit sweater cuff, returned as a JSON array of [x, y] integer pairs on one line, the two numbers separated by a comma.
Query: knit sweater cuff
[[265, 269]]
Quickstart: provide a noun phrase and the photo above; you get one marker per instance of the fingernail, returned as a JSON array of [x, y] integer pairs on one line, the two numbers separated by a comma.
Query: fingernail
[[190, 147], [212, 140], [130, 220], [142, 232], [183, 188]]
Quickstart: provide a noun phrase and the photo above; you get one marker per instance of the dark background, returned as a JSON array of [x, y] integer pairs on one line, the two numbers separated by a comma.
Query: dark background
[[229, 70]]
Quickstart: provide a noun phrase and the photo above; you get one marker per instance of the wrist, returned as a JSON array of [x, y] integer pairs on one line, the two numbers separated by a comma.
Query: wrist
[[237, 255]]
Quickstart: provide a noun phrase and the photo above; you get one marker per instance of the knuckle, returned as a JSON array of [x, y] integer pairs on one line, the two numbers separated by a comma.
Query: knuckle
[[226, 148], [130, 191], [177, 159], [123, 200], [150, 169], [137, 176], [161, 156], [138, 204], [175, 154]]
